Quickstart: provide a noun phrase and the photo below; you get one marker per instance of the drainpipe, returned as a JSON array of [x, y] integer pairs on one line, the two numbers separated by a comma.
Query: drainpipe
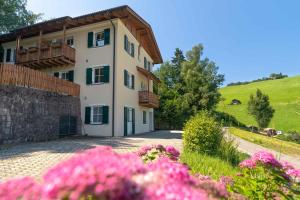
[[113, 82]]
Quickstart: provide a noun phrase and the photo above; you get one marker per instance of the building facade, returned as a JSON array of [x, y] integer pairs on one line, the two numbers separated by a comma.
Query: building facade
[[110, 54]]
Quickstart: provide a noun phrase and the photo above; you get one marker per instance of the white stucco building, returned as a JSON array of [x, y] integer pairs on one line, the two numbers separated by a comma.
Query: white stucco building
[[110, 54]]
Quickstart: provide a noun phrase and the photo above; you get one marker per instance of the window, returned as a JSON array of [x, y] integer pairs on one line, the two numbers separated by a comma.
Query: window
[[14, 55], [128, 46], [70, 41], [64, 75], [97, 114], [143, 86], [67, 75], [8, 55], [128, 79], [132, 50], [144, 117], [98, 75], [99, 39], [130, 115], [139, 52]]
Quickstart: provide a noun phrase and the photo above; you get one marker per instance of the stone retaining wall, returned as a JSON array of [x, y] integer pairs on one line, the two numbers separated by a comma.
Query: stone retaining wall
[[34, 115]]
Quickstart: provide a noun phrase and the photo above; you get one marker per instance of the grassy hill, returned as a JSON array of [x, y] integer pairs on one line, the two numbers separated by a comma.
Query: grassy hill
[[284, 97]]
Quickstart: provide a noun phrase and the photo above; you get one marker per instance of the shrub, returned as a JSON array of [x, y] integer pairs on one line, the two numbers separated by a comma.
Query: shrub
[[264, 177], [228, 152], [202, 134]]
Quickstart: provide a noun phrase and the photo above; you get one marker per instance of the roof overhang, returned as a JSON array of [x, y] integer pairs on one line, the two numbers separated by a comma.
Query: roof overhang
[[141, 30], [148, 74]]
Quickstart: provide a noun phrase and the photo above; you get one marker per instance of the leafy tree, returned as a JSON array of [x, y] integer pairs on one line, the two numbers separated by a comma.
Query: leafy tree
[[13, 14], [259, 106], [181, 93]]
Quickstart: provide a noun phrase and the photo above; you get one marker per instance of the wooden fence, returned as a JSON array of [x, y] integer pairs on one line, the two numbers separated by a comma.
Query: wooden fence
[[26, 77]]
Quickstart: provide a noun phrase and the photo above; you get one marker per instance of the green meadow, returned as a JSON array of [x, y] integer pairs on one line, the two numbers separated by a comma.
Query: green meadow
[[284, 96]]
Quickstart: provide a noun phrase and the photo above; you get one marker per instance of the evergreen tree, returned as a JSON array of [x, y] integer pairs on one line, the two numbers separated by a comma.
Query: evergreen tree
[[259, 107]]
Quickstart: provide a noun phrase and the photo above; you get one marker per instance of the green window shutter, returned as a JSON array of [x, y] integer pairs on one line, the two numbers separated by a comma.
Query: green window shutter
[[56, 74], [132, 78], [89, 73], [87, 119], [145, 63], [105, 78], [105, 115], [125, 77], [133, 121], [125, 120], [125, 42], [71, 75], [132, 49], [106, 36], [90, 39]]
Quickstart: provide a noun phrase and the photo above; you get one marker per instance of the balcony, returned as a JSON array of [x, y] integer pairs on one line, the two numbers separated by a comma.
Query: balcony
[[148, 99], [53, 55]]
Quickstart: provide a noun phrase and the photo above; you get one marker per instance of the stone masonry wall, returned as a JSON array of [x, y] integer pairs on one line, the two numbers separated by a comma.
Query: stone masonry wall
[[34, 115]]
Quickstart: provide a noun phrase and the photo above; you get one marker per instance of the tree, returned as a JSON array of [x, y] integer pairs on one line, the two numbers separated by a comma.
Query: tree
[[187, 86], [259, 107], [13, 14], [202, 81]]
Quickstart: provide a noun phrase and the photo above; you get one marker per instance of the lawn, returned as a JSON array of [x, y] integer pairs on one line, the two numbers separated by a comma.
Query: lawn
[[211, 166], [285, 147], [284, 97]]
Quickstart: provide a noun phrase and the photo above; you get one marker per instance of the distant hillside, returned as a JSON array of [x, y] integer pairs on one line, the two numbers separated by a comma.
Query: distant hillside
[[284, 96]]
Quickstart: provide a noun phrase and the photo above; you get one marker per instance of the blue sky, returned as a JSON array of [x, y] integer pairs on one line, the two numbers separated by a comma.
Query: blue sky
[[247, 39]]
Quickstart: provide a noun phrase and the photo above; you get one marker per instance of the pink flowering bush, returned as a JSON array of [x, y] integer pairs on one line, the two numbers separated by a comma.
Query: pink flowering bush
[[153, 152], [264, 177], [101, 173]]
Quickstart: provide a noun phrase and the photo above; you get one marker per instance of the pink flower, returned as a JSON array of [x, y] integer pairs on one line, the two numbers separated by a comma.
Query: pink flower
[[20, 188], [293, 172], [266, 158], [249, 163], [171, 150]]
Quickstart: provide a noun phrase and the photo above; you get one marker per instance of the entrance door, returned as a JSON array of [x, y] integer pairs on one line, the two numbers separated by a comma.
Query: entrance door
[[129, 121], [151, 121]]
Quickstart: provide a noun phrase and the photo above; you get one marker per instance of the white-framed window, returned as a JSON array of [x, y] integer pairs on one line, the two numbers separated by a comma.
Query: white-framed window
[[98, 74], [143, 86], [70, 41], [144, 117], [99, 39], [97, 114]]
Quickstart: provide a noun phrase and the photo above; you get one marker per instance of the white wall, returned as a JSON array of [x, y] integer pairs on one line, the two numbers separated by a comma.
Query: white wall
[[102, 94]]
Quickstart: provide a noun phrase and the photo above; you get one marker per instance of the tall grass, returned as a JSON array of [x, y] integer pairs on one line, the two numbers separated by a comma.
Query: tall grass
[[208, 165]]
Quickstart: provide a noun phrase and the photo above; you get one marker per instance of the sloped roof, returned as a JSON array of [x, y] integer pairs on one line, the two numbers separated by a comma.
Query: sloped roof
[[137, 25]]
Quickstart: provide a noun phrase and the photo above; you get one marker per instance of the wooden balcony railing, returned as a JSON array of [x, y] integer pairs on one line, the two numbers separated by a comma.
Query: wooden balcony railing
[[148, 99], [26, 77], [48, 56]]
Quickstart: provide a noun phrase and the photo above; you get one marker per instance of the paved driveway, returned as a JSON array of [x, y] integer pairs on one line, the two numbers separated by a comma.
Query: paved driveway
[[34, 158]]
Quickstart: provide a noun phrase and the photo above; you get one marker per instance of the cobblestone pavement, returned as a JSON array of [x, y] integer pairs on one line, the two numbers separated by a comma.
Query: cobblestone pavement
[[34, 158]]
